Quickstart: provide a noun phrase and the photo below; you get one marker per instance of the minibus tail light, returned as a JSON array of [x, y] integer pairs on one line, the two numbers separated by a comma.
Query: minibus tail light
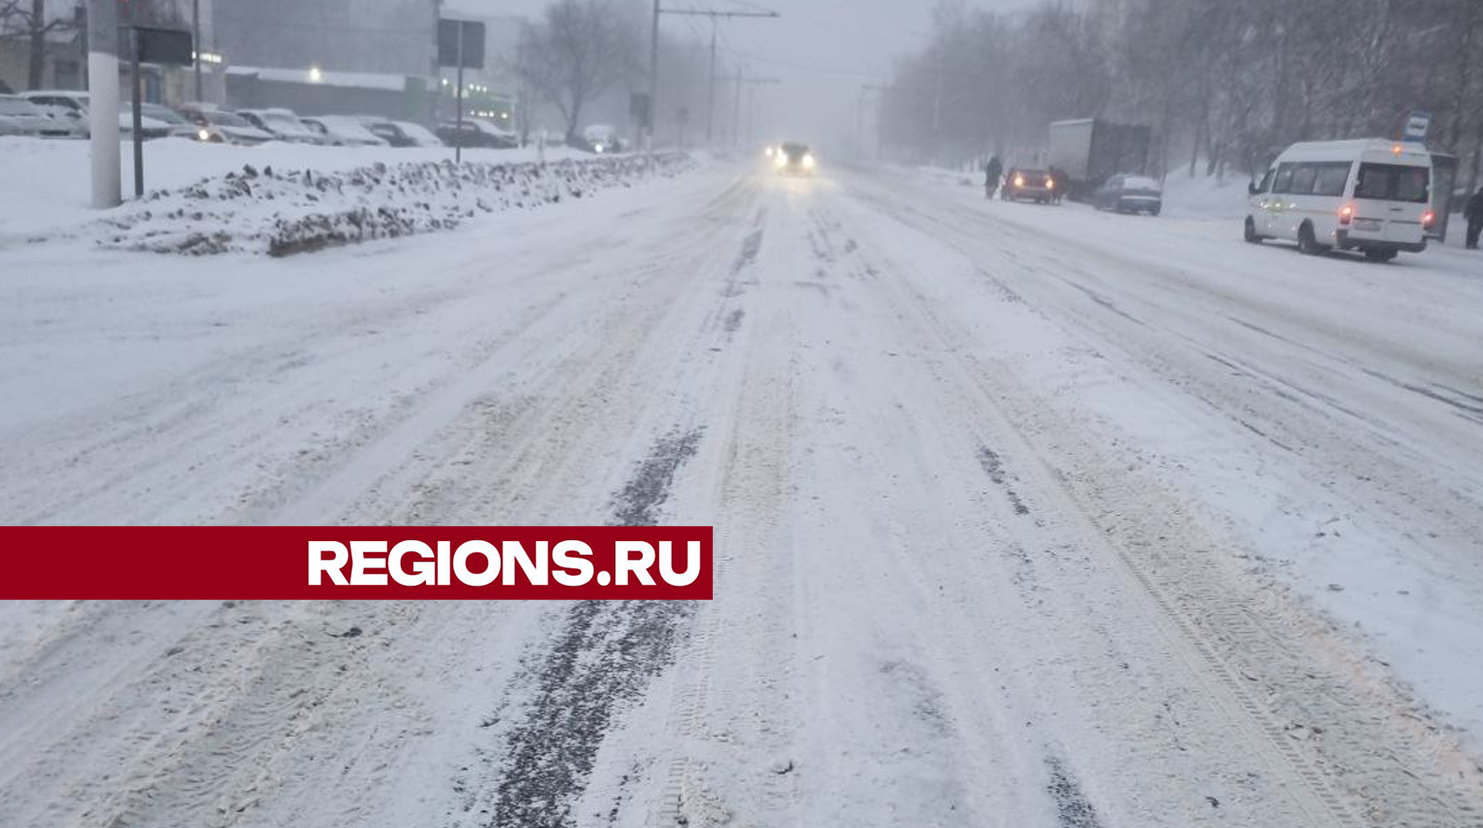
[[1346, 213]]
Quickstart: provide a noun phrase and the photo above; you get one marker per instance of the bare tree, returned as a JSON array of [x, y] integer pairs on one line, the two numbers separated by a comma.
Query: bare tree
[[578, 51], [27, 20], [1229, 83]]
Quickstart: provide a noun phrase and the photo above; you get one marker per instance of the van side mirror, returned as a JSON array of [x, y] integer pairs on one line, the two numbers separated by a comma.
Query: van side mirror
[[1251, 188]]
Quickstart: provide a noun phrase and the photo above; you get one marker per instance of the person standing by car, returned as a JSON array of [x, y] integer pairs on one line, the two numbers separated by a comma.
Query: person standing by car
[[992, 171], [1474, 214]]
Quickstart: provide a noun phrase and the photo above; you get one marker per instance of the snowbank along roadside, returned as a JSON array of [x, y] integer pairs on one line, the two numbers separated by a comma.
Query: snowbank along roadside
[[282, 212]]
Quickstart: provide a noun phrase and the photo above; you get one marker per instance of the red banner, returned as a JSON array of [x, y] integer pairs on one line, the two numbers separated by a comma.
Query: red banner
[[239, 563]]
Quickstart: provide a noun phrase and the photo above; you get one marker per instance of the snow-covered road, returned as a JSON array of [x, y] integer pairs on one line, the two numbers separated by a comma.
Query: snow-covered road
[[1024, 516]]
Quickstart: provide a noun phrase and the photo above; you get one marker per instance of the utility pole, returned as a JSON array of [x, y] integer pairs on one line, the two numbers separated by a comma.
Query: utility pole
[[196, 42], [715, 16], [653, 81], [937, 104], [136, 99], [752, 115], [710, 101], [103, 109]]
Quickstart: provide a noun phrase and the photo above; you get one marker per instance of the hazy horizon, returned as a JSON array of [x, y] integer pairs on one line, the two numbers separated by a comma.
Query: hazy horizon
[[821, 68]]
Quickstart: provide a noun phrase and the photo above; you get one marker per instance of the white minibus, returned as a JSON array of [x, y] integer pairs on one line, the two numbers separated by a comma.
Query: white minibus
[[1373, 196]]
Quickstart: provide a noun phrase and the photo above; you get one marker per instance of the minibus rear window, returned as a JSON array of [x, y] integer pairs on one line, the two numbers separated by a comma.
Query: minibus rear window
[[1393, 182]]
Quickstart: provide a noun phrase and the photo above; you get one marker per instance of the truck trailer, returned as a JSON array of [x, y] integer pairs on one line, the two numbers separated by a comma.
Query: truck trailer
[[1090, 150]]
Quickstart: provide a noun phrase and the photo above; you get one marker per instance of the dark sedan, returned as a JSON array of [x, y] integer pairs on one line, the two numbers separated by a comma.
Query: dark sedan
[[1130, 194]]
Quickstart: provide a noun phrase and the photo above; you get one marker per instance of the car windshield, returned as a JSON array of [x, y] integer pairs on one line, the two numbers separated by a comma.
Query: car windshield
[[416, 132], [346, 128], [229, 119], [161, 113]]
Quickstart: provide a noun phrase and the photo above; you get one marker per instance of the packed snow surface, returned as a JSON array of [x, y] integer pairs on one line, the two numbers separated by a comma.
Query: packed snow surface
[[1025, 515]]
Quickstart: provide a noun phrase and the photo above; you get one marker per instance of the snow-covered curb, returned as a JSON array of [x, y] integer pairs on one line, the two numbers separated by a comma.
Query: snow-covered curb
[[281, 212]]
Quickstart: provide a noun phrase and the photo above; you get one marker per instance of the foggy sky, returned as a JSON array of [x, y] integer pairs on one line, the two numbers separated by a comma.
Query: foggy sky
[[822, 51]]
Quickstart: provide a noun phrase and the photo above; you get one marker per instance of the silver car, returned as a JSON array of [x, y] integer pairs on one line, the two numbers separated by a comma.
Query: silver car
[[19, 116]]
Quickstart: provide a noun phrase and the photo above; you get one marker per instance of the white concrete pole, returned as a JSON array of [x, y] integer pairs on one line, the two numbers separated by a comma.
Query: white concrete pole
[[103, 102]]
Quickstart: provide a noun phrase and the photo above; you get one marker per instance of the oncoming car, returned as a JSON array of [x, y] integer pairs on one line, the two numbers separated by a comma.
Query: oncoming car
[[1028, 185], [1369, 195], [794, 159], [601, 138]]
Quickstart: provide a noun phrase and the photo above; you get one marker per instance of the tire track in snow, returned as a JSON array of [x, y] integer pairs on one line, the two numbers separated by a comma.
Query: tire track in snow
[[1073, 809], [993, 465], [608, 652]]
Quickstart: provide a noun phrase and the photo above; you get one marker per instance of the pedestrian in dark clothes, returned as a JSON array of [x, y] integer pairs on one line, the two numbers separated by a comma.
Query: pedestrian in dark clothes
[[1474, 214]]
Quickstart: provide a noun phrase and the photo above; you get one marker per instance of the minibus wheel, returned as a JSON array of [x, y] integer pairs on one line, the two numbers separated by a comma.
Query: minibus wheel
[[1250, 232], [1307, 242]]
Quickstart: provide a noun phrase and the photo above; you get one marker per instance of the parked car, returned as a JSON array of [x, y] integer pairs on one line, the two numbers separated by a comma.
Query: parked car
[[1028, 185], [342, 131], [283, 124], [400, 133], [1369, 195], [477, 132], [1124, 193], [222, 127], [602, 138], [70, 106], [19, 116], [419, 135], [179, 126]]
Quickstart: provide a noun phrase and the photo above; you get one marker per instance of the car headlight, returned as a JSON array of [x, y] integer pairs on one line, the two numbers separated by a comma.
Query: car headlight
[[781, 160], [808, 162], [1019, 181], [1050, 183], [204, 135]]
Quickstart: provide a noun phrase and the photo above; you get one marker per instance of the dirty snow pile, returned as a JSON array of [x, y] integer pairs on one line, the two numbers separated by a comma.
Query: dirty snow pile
[[282, 212]]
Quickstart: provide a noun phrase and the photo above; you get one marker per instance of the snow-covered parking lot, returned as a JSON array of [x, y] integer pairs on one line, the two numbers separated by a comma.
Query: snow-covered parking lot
[[1024, 516]]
